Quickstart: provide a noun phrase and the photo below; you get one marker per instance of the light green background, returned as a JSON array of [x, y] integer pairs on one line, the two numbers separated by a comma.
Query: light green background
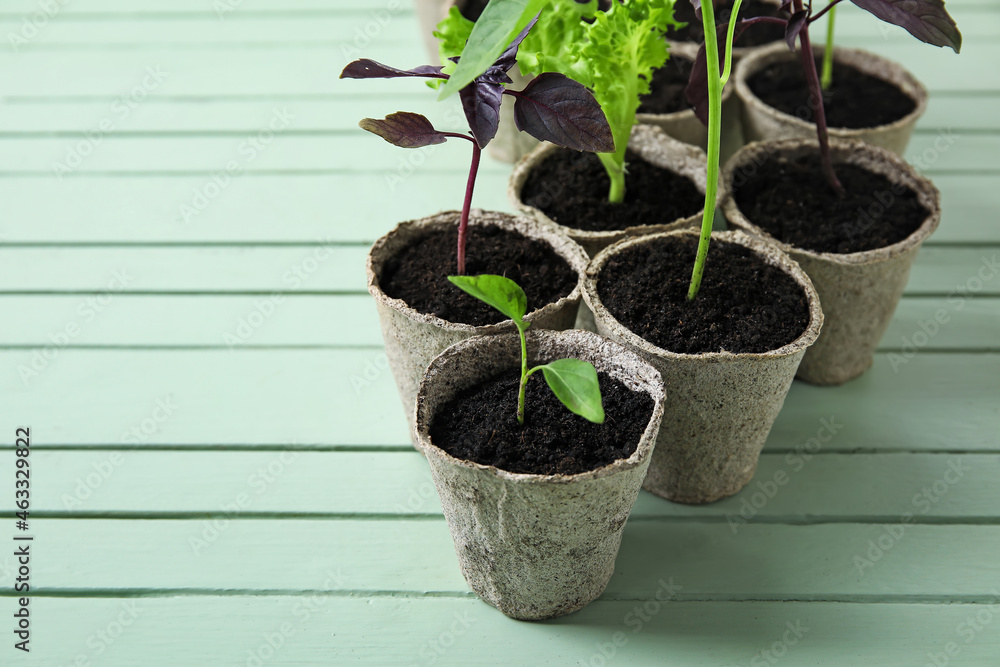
[[210, 499]]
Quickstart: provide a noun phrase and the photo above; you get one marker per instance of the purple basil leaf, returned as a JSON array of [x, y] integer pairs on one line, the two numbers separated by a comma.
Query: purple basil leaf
[[481, 103], [404, 129], [494, 74], [927, 20], [555, 108], [794, 26], [508, 58], [696, 91], [369, 69], [697, 8]]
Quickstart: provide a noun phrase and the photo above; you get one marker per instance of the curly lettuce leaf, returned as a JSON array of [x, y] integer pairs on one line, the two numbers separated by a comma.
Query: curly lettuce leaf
[[613, 53]]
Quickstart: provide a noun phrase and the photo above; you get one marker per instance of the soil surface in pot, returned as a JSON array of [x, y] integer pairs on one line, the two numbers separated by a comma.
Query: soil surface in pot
[[791, 200], [666, 94], [480, 425], [419, 274], [744, 305], [572, 189], [473, 9], [754, 36], [854, 100]]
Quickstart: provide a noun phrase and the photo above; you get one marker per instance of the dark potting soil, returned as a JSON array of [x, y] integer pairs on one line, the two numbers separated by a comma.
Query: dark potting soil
[[572, 189], [480, 425], [744, 305], [666, 94], [853, 100], [419, 274], [791, 200], [754, 36], [473, 9]]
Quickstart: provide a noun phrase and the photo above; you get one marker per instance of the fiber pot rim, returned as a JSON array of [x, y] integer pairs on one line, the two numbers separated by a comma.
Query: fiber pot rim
[[402, 233], [768, 252], [893, 167], [688, 50], [692, 167], [649, 379], [863, 61]]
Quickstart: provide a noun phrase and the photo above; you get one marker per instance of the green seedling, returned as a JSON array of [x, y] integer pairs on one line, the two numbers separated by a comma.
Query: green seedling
[[573, 381], [715, 82], [826, 76]]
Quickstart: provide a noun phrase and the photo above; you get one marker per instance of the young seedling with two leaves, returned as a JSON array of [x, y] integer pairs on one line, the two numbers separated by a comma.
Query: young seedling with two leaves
[[573, 381], [927, 20], [551, 108], [612, 52]]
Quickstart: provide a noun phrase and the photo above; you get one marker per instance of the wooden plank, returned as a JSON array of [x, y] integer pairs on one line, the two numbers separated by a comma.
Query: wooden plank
[[941, 269], [284, 208], [956, 322], [100, 8], [916, 401], [70, 117], [384, 23], [358, 29], [314, 629], [296, 69], [265, 269], [262, 150], [797, 487], [308, 208], [220, 116], [321, 267], [804, 563]]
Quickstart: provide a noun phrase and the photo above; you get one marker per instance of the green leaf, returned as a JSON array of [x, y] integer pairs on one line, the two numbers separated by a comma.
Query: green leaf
[[496, 28], [502, 293], [574, 382], [613, 54], [452, 33]]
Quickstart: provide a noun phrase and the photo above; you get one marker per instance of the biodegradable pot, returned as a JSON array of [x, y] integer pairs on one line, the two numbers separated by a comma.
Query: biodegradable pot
[[719, 406], [685, 126], [412, 339], [535, 546], [763, 122], [860, 290], [652, 145]]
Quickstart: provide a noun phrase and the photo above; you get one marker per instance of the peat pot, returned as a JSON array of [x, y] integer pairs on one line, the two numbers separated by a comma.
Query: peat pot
[[859, 290], [535, 546], [763, 122], [412, 339], [719, 406]]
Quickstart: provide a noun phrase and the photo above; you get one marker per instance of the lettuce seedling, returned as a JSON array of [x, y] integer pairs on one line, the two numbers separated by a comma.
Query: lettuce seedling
[[573, 381], [927, 20], [551, 108], [612, 52]]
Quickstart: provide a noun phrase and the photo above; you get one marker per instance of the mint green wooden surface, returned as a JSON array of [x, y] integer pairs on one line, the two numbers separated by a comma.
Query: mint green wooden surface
[[213, 494]]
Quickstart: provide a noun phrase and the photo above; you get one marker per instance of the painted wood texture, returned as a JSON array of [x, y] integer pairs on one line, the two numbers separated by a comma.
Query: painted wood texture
[[222, 469]]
